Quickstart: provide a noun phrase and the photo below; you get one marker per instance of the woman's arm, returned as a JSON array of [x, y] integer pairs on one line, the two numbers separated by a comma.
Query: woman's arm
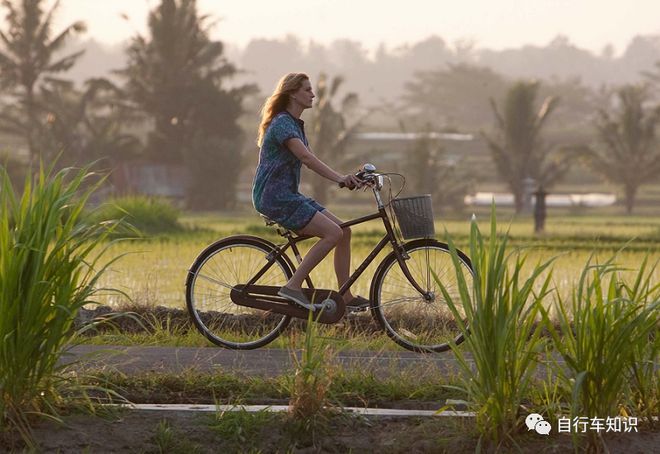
[[298, 148]]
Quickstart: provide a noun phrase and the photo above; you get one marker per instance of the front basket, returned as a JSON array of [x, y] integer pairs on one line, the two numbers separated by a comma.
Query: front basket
[[415, 216]]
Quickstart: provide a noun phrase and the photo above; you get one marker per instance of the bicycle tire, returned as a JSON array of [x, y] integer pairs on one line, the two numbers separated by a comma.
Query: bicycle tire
[[219, 267], [407, 318]]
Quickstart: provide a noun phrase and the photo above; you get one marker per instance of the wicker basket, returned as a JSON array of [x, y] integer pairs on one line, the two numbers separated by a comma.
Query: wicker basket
[[415, 216]]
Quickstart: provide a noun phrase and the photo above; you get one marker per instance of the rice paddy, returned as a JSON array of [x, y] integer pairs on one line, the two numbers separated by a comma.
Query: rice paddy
[[153, 271]]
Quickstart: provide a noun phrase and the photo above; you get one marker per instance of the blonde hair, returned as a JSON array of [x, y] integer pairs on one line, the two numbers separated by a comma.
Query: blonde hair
[[277, 102]]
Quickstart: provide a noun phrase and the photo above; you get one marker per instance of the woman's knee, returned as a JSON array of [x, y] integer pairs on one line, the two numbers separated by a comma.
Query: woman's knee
[[333, 233]]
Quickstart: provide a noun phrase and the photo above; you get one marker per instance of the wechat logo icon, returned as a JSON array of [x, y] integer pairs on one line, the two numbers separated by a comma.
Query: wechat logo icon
[[536, 422]]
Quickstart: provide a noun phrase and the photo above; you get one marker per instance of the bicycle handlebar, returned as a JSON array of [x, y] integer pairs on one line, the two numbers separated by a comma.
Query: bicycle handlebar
[[364, 176]]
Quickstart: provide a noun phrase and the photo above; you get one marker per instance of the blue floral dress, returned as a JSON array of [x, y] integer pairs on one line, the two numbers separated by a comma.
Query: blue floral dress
[[275, 187]]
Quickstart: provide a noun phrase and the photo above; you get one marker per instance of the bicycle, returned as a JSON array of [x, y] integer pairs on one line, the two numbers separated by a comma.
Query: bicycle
[[231, 287]]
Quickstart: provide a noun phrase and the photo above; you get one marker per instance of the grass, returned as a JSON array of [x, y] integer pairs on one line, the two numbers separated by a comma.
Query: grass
[[154, 270], [169, 440], [348, 387], [501, 331], [240, 429], [49, 269], [607, 338]]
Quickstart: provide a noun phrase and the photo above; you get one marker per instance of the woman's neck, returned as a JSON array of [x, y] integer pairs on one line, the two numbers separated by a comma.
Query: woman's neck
[[295, 110]]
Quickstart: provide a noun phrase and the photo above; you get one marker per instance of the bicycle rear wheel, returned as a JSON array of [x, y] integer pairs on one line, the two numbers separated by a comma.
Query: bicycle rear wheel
[[221, 266], [407, 317]]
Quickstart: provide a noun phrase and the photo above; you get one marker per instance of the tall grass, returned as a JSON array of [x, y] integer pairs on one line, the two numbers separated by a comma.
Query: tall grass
[[502, 332], [48, 258], [607, 335]]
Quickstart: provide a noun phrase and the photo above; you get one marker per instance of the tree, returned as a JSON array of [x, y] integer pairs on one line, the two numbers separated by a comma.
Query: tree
[[28, 55], [84, 126], [629, 151], [517, 149], [330, 129], [454, 96], [175, 76]]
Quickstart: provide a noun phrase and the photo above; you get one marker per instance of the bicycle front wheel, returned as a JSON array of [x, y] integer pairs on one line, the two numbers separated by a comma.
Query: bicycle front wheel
[[221, 266], [409, 319]]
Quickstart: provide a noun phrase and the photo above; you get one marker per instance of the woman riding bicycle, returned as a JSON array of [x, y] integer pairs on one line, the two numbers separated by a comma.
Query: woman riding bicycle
[[275, 194]]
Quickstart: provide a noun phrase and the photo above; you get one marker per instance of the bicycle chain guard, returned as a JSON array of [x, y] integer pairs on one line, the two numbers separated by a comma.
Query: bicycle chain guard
[[330, 304]]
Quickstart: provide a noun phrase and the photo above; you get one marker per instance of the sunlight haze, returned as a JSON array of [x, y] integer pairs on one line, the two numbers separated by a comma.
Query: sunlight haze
[[590, 24]]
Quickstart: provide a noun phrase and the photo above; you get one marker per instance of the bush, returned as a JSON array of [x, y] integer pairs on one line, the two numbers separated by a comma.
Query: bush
[[148, 215], [48, 271]]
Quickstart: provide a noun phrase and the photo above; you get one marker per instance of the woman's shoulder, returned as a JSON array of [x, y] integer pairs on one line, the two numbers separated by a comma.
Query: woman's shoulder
[[282, 127], [283, 119]]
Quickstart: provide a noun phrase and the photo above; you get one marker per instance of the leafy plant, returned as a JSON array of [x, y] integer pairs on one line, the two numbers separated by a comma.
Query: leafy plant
[[148, 215], [49, 259], [603, 337], [501, 331]]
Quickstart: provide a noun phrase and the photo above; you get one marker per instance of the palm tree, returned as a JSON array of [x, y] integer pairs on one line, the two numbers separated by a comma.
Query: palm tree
[[27, 55], [518, 152], [629, 152]]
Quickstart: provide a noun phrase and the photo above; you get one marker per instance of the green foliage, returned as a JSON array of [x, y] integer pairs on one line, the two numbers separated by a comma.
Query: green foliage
[[150, 216], [517, 151], [28, 55], [49, 268], [607, 337], [501, 330], [175, 77], [85, 125], [629, 152]]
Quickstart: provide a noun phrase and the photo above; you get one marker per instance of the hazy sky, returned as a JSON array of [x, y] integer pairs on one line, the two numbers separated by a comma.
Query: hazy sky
[[494, 24]]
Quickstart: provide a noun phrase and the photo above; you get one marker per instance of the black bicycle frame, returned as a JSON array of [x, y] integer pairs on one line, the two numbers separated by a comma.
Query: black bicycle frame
[[389, 237]]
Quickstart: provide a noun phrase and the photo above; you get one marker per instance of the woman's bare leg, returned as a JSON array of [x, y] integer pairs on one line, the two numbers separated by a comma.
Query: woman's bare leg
[[342, 255], [329, 233]]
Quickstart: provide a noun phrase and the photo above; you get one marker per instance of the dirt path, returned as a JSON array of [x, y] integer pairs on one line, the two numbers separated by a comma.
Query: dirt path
[[263, 362]]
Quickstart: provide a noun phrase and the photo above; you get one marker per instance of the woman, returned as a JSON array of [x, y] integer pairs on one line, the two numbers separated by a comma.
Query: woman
[[284, 149]]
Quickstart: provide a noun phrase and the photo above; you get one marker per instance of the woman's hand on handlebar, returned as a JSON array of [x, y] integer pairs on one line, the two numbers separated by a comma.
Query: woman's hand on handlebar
[[351, 182]]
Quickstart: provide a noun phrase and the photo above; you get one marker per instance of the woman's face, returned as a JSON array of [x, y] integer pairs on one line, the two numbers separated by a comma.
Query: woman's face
[[304, 95]]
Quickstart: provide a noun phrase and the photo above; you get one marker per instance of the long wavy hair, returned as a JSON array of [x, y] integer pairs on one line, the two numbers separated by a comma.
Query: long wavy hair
[[278, 101]]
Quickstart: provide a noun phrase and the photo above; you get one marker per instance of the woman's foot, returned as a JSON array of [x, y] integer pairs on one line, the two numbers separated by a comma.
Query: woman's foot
[[296, 296]]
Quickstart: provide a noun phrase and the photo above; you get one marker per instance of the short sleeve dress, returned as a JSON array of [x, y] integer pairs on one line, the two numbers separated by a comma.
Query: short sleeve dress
[[275, 188]]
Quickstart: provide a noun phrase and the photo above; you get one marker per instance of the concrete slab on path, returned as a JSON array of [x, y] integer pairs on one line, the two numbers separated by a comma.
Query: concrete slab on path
[[285, 408]]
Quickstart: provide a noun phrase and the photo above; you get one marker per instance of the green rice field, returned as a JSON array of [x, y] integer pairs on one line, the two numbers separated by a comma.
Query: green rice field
[[153, 271]]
